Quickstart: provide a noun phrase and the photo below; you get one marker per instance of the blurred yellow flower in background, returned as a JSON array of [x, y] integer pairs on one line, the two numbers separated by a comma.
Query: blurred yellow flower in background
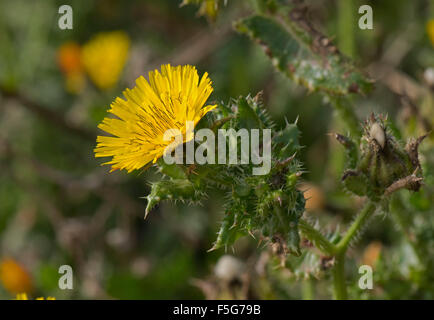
[[430, 30], [104, 57], [168, 101], [23, 296], [208, 8], [68, 57], [69, 61], [14, 277]]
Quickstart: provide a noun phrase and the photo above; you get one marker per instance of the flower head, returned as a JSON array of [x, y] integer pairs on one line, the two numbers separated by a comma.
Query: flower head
[[104, 57], [168, 101]]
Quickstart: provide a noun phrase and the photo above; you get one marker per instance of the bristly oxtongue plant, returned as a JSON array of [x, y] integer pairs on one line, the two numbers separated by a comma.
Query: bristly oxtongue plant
[[268, 206]]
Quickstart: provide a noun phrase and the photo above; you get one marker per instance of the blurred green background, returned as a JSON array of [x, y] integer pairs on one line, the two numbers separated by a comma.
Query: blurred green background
[[59, 206]]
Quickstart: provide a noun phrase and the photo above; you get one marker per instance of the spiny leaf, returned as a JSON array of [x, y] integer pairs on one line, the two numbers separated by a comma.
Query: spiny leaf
[[329, 73], [251, 113], [286, 141], [172, 170], [175, 189], [227, 233], [350, 147], [355, 182]]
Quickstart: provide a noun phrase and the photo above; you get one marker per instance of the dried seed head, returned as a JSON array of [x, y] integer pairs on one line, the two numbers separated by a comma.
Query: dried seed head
[[377, 133]]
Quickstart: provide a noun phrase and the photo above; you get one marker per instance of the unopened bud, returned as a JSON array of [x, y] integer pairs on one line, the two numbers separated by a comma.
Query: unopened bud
[[377, 133]]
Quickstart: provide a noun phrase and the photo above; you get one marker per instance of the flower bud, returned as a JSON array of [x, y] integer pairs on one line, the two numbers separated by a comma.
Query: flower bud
[[384, 166]]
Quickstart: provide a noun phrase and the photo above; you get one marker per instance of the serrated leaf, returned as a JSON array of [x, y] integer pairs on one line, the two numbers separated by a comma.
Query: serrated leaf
[[172, 170], [229, 232], [330, 73], [175, 189], [286, 141]]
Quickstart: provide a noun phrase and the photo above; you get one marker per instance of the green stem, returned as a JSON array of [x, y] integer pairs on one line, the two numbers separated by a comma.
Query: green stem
[[307, 289], [360, 221], [339, 284], [346, 23]]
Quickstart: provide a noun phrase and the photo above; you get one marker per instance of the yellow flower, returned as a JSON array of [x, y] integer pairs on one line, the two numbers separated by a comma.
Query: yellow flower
[[23, 296], [69, 58], [430, 30], [14, 277], [168, 101], [104, 57]]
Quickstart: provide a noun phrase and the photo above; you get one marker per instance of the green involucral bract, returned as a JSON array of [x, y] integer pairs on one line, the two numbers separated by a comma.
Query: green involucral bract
[[384, 164]]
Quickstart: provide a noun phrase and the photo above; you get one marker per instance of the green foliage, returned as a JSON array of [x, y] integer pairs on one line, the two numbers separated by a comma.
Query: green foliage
[[58, 206], [318, 66], [174, 189]]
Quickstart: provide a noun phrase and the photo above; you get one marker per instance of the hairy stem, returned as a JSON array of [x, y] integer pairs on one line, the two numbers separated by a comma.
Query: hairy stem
[[360, 221], [339, 284], [346, 10]]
